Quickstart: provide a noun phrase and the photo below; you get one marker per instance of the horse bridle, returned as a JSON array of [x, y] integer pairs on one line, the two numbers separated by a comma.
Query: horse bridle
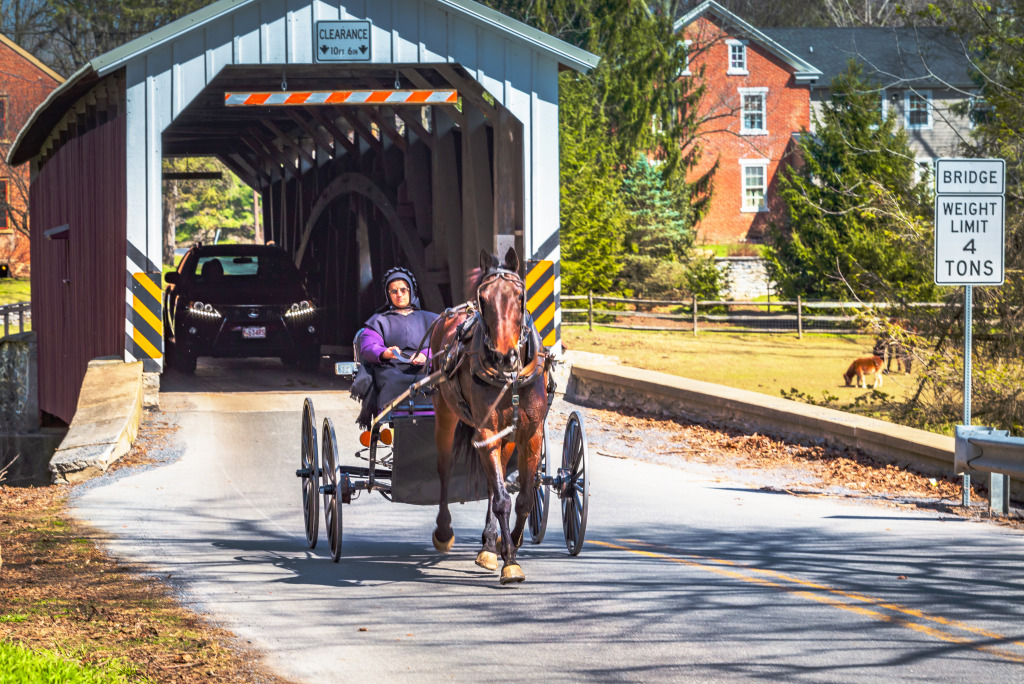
[[524, 331]]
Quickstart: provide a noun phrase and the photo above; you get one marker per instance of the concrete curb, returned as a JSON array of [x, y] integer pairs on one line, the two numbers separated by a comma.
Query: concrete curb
[[615, 385], [106, 421]]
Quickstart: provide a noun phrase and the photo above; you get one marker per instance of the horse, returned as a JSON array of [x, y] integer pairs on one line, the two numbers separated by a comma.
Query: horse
[[492, 403], [892, 349], [861, 368]]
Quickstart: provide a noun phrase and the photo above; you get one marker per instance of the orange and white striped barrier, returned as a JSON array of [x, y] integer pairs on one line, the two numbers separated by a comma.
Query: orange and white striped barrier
[[342, 97]]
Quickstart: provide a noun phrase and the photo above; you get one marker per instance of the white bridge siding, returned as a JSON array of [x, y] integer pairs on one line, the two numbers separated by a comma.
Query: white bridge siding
[[163, 79]]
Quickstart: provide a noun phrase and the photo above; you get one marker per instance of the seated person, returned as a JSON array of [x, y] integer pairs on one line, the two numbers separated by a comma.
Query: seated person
[[389, 343]]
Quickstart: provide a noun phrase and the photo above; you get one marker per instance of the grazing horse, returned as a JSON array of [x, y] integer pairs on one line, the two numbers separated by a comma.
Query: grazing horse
[[493, 402]]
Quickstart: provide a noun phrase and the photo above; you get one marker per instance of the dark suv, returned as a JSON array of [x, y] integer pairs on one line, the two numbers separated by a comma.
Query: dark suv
[[239, 300]]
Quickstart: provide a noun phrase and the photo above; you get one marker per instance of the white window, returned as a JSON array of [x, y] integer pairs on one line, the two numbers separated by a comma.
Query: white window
[[737, 56], [918, 107], [753, 114], [687, 46], [882, 108], [754, 175], [924, 170], [981, 111]]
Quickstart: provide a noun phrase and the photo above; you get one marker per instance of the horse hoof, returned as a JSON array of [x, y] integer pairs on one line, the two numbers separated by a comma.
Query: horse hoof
[[512, 573], [487, 560], [442, 546]]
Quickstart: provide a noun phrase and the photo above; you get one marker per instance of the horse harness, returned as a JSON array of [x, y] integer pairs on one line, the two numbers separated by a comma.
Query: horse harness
[[471, 344]]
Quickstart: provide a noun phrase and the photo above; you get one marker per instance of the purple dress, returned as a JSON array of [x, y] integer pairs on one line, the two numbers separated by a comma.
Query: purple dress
[[392, 329]]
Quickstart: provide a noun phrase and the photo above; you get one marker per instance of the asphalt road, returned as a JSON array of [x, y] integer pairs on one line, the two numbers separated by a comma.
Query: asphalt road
[[685, 576]]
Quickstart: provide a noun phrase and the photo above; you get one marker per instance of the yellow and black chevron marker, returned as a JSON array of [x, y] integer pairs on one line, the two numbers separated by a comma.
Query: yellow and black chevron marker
[[145, 326], [540, 299]]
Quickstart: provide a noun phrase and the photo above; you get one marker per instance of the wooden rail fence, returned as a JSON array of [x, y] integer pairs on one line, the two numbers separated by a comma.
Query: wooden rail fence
[[724, 315], [15, 314]]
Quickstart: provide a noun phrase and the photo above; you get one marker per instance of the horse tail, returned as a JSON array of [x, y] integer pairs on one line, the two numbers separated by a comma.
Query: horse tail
[[463, 449]]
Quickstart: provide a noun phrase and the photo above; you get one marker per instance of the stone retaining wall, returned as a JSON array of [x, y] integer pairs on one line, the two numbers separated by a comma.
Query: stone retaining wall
[[747, 278], [615, 386]]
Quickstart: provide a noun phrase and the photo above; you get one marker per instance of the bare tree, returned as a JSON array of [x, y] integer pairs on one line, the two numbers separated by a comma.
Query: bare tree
[[873, 12]]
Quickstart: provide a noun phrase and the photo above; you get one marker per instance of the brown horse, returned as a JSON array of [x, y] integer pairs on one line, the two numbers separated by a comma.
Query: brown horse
[[494, 401]]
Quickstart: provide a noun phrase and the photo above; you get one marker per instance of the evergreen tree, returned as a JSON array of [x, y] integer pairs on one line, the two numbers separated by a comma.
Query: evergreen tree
[[592, 214], [635, 103], [658, 238], [992, 37], [198, 209], [655, 227], [859, 222]]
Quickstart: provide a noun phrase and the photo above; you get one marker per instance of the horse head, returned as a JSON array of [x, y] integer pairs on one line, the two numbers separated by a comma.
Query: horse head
[[501, 300]]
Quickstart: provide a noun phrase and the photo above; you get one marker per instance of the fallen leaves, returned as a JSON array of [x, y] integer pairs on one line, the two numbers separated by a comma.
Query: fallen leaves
[[58, 588], [813, 465]]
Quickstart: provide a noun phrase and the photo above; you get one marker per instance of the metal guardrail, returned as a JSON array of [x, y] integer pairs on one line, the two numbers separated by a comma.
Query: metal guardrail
[[15, 314], [781, 316], [986, 449]]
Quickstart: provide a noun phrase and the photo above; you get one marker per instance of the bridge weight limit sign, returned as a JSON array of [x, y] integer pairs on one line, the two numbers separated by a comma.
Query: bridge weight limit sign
[[969, 225], [969, 243]]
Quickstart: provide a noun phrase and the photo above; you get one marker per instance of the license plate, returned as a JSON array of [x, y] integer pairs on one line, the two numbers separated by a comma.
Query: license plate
[[254, 332], [345, 368]]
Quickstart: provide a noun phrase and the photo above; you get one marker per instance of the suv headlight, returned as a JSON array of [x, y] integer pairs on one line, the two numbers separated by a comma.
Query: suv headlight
[[203, 310], [303, 308]]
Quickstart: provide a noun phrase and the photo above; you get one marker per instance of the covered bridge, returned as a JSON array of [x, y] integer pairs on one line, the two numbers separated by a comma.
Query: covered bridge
[[362, 159]]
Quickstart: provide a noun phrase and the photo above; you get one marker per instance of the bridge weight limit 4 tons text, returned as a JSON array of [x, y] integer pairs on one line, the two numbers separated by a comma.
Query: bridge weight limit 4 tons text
[[969, 221]]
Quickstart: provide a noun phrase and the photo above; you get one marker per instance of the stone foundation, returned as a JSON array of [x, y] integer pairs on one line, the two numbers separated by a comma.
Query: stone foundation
[[747, 278]]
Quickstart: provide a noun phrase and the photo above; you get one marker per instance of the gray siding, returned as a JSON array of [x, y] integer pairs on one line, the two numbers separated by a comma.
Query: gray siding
[[948, 130], [163, 80]]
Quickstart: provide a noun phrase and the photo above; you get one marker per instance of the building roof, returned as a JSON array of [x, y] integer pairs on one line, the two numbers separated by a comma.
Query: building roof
[[895, 57], [564, 53], [803, 70], [31, 58], [49, 111]]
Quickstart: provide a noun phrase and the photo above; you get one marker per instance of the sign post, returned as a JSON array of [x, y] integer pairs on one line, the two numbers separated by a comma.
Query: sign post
[[969, 245]]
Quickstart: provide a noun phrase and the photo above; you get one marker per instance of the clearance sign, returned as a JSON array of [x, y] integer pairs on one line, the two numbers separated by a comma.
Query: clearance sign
[[342, 41]]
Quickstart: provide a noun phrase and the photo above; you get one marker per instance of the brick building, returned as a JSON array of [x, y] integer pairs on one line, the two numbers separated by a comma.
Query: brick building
[[763, 84], [24, 83]]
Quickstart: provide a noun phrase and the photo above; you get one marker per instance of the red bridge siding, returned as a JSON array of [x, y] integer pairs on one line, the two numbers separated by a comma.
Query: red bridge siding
[[78, 284]]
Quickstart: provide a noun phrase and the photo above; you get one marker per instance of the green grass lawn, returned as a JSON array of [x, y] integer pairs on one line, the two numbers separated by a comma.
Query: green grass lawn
[[19, 664], [13, 290], [769, 364]]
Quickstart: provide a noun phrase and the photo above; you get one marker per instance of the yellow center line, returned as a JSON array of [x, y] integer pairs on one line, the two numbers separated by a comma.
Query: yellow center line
[[831, 597]]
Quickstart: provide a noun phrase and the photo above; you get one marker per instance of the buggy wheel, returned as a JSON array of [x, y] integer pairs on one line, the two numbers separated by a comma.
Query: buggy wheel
[[538, 520], [309, 473], [575, 484], [332, 490]]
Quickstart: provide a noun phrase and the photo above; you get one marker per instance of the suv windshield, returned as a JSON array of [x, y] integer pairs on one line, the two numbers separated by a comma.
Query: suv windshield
[[270, 267]]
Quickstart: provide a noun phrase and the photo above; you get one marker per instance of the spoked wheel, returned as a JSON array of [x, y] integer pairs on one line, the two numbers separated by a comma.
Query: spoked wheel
[[538, 520], [332, 490], [309, 473], [575, 484]]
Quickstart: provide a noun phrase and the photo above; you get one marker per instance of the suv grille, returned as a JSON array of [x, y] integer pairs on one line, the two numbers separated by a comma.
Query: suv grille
[[242, 314]]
